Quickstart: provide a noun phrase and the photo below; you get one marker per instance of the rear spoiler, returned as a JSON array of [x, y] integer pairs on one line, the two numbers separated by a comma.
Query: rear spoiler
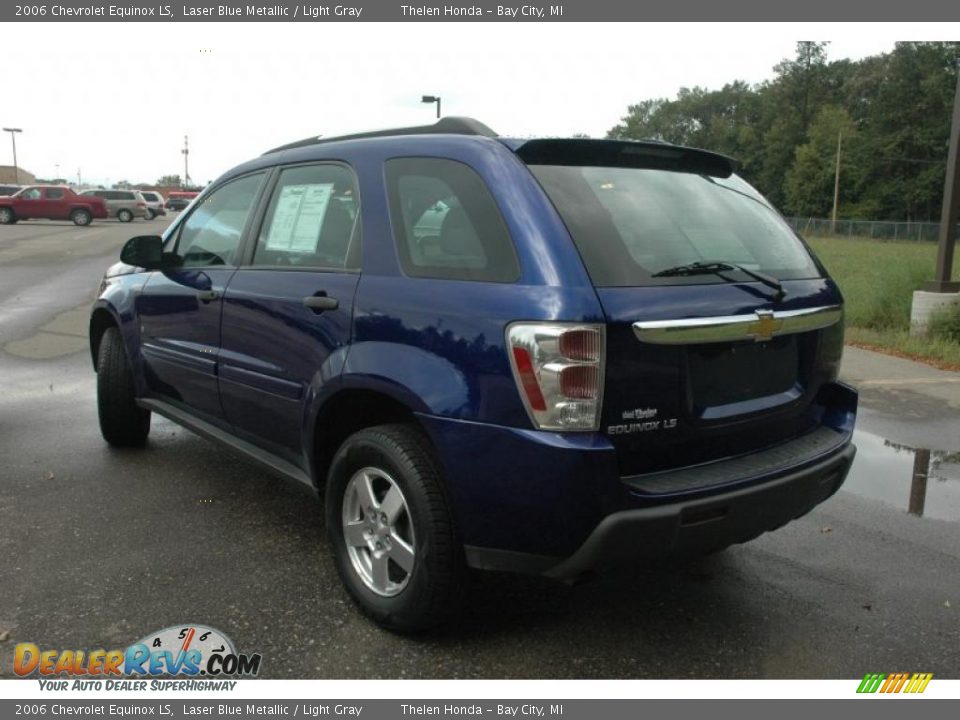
[[650, 154]]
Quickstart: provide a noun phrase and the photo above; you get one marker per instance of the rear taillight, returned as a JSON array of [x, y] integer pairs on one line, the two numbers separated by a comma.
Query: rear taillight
[[559, 373], [141, 204]]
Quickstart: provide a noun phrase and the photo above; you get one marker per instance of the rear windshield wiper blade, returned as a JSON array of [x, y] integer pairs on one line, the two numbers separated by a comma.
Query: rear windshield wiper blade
[[708, 268]]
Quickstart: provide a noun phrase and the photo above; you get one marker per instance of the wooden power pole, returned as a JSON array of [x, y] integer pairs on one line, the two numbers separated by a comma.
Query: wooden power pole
[[836, 186], [951, 209]]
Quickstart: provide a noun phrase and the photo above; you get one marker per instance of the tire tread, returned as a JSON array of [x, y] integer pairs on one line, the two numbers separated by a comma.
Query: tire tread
[[122, 422]]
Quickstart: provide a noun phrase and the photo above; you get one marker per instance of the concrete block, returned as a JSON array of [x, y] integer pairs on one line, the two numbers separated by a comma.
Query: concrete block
[[927, 304]]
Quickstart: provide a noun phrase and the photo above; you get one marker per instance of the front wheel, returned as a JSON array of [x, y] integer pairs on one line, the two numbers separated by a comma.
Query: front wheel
[[124, 216], [7, 217], [81, 217], [392, 531], [122, 422]]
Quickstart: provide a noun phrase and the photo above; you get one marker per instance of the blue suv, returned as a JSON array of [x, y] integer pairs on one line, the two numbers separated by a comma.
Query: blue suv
[[550, 356]]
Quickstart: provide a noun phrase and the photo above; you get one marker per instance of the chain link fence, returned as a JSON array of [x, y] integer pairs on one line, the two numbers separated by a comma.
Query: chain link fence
[[877, 229]]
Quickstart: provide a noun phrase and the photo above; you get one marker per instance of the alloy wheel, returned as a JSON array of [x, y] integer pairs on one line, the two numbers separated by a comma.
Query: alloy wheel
[[378, 531]]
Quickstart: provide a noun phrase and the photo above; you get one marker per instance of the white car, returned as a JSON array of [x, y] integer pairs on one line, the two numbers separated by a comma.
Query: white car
[[156, 204]]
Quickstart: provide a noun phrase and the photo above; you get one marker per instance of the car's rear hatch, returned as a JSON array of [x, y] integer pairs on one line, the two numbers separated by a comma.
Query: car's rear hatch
[[702, 362]]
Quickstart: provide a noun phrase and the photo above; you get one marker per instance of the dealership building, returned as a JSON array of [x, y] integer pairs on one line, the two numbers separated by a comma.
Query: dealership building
[[8, 175]]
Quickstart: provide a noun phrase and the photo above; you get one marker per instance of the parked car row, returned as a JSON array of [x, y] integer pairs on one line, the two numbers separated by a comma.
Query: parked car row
[[58, 202]]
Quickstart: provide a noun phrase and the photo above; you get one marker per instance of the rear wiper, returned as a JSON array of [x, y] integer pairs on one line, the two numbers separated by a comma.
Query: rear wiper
[[708, 268]]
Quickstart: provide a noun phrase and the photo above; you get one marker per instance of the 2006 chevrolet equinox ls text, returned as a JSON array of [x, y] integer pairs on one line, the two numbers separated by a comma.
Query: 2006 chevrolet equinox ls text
[[549, 356]]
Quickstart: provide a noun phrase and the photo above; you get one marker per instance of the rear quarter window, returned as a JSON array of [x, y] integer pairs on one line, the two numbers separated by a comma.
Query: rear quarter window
[[446, 224]]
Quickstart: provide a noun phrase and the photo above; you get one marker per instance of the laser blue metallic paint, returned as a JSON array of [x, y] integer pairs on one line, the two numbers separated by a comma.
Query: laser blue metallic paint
[[259, 365]]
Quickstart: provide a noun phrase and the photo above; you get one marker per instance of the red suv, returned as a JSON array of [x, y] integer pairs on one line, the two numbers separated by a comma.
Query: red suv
[[50, 202]]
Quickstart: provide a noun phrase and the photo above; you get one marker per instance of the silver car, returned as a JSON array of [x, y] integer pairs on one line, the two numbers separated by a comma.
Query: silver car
[[124, 205]]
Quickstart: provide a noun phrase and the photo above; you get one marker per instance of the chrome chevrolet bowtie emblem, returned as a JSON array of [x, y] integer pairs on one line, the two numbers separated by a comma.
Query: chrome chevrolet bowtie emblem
[[765, 327]]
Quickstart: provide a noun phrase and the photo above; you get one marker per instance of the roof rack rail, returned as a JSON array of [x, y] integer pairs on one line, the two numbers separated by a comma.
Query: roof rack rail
[[444, 126]]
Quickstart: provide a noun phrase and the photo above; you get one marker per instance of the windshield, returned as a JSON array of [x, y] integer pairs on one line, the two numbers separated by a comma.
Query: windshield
[[630, 224]]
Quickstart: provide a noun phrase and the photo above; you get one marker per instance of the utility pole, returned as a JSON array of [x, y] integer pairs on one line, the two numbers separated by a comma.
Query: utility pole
[[951, 209], [186, 155], [836, 186], [13, 137], [79, 178]]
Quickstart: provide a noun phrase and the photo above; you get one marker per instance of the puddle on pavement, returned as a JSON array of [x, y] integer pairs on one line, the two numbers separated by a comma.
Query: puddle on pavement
[[921, 481]]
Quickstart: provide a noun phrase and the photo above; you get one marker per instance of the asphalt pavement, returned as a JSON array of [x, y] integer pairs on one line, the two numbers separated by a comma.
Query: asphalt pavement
[[98, 546]]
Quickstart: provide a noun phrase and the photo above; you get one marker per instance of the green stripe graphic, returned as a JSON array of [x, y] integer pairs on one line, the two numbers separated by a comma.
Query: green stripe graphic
[[871, 682]]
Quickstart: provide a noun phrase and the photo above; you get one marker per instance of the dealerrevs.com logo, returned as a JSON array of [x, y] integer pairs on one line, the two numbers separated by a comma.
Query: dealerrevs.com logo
[[189, 651]]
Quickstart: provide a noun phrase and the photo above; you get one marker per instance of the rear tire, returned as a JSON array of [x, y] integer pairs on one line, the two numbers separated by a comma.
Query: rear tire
[[124, 216], [81, 217], [122, 422], [421, 568], [7, 216]]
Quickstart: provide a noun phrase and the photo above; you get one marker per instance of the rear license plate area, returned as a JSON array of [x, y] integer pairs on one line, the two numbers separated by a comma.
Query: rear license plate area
[[726, 374]]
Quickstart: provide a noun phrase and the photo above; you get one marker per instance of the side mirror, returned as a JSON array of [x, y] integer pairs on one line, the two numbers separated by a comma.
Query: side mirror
[[144, 251]]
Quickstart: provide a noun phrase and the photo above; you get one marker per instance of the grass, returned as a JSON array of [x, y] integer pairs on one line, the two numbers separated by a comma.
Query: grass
[[878, 279]]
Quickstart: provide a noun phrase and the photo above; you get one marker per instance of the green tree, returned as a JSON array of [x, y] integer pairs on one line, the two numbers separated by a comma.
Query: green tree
[[897, 106], [169, 181], [808, 188]]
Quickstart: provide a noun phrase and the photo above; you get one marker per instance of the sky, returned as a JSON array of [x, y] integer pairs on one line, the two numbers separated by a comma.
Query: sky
[[113, 101]]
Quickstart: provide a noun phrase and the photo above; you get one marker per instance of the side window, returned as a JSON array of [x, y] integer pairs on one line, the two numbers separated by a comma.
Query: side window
[[54, 193], [446, 223], [31, 194], [211, 234], [312, 220]]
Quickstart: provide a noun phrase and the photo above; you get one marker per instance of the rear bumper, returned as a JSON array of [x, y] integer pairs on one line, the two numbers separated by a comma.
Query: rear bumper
[[696, 527], [684, 529], [557, 504]]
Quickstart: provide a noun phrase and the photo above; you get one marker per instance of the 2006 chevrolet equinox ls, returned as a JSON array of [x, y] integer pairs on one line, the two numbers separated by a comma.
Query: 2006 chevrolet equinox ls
[[548, 356]]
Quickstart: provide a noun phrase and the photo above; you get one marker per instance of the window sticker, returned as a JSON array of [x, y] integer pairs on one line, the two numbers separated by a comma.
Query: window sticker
[[298, 217]]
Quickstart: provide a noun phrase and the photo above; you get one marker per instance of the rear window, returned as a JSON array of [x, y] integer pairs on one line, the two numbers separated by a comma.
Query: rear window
[[631, 223]]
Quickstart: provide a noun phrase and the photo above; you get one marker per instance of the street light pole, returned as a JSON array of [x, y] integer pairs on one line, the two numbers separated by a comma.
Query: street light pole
[[13, 137], [432, 99]]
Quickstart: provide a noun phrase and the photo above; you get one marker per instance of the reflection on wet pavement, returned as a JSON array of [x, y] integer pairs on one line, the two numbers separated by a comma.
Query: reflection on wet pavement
[[923, 481]]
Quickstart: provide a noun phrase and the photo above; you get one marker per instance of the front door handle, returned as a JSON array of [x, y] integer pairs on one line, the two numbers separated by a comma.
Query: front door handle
[[207, 295], [319, 303]]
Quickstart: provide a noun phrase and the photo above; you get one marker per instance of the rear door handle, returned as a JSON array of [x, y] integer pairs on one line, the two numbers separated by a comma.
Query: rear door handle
[[319, 303], [207, 295]]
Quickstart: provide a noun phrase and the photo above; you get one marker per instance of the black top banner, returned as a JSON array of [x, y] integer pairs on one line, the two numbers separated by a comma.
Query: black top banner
[[853, 11]]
